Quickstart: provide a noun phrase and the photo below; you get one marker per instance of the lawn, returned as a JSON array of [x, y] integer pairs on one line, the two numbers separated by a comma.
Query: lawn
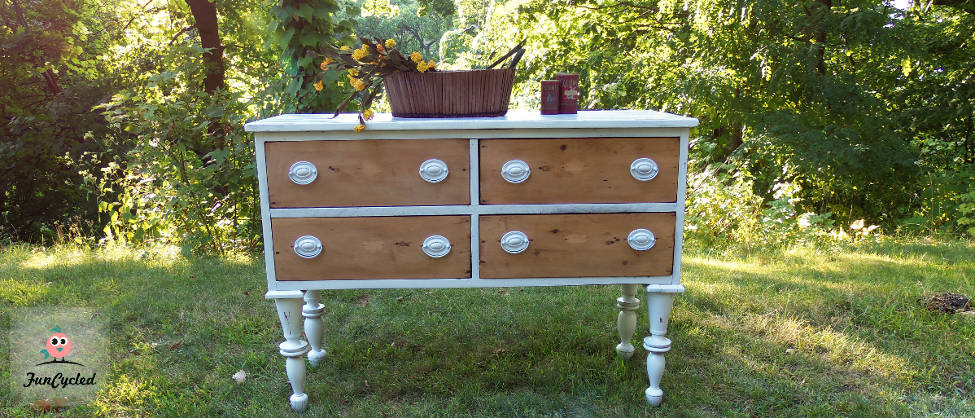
[[791, 332]]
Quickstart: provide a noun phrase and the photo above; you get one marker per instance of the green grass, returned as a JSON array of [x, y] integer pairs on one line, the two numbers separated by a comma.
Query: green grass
[[789, 333]]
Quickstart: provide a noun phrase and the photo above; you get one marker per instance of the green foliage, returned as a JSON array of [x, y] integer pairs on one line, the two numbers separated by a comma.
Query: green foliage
[[848, 101], [416, 27], [779, 333], [189, 177], [310, 25], [51, 77]]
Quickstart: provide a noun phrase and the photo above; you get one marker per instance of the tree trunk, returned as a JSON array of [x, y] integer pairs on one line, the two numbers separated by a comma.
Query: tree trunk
[[205, 14], [817, 27]]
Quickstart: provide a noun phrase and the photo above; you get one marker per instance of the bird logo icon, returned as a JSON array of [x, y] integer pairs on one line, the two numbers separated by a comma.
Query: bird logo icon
[[58, 346]]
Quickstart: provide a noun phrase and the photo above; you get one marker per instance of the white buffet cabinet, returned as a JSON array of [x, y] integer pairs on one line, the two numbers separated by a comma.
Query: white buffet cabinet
[[519, 200]]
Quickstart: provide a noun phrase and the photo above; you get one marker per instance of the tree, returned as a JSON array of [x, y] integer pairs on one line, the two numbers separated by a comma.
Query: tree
[[205, 16]]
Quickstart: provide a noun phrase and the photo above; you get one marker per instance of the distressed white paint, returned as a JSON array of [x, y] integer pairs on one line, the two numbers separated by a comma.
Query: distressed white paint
[[433, 170], [644, 169], [659, 305], [314, 326], [679, 210], [467, 283], [345, 212], [520, 125], [512, 120], [626, 321], [525, 134], [293, 349]]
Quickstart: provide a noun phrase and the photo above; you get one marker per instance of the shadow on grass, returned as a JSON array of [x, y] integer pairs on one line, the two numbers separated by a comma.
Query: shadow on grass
[[794, 333]]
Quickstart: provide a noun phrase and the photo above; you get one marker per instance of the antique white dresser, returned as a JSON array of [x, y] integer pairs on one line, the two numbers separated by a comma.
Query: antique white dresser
[[520, 200]]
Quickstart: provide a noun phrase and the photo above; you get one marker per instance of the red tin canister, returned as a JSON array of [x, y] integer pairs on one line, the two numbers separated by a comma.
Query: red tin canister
[[568, 92], [550, 97]]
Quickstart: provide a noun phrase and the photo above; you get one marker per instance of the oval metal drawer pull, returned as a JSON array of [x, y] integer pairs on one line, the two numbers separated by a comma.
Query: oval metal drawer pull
[[644, 169], [514, 242], [436, 246], [307, 246], [302, 172], [433, 170], [641, 239], [515, 171]]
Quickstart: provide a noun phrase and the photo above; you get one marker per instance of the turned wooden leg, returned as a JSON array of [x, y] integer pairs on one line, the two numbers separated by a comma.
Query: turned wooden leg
[[626, 322], [293, 349], [659, 305], [314, 328]]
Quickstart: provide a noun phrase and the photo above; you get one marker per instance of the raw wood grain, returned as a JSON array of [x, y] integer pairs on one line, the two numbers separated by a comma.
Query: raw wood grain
[[578, 245], [368, 173], [372, 248], [579, 170]]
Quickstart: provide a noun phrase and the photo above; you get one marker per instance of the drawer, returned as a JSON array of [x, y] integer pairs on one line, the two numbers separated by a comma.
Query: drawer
[[371, 248], [366, 173], [578, 245], [579, 170]]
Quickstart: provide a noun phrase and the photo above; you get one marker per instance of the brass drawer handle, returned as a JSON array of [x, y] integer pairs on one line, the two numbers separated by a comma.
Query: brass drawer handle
[[433, 170], [644, 169], [302, 173]]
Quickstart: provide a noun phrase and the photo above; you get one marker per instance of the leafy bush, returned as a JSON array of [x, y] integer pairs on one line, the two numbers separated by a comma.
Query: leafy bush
[[725, 212], [190, 177]]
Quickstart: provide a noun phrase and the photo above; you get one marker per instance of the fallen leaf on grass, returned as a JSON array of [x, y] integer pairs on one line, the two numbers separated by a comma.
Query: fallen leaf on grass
[[42, 404], [176, 344], [240, 376]]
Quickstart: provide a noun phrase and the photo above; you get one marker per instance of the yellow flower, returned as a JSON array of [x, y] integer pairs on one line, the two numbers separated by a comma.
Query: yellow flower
[[359, 128], [367, 114], [416, 57], [430, 64], [326, 62], [359, 54], [353, 72], [380, 48], [345, 48], [358, 84], [390, 43], [421, 66], [319, 86]]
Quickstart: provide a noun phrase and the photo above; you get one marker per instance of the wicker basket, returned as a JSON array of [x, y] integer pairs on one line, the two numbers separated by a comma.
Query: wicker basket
[[449, 93]]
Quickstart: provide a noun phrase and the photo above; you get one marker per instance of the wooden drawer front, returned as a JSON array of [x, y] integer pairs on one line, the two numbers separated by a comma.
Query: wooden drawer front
[[368, 173], [577, 246], [372, 248], [581, 170]]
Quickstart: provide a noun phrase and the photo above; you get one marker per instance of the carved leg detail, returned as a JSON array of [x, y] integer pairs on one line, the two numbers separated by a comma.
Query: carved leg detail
[[293, 349], [314, 328], [626, 322], [659, 305]]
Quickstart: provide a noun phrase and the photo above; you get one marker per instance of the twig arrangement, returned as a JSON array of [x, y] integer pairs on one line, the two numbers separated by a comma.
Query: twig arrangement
[[367, 66]]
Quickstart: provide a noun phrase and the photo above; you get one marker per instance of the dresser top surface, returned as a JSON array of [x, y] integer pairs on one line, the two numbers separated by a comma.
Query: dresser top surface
[[512, 120]]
